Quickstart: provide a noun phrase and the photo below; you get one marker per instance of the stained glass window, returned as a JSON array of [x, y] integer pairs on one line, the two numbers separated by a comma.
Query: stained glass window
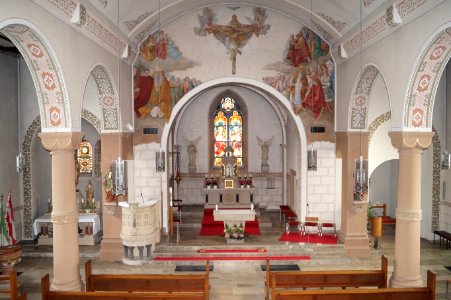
[[84, 156], [228, 130]]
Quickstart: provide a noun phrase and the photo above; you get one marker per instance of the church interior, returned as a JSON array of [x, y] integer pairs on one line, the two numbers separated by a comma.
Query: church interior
[[222, 135]]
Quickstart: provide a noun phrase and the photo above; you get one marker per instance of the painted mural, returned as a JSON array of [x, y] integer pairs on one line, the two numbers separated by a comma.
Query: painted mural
[[234, 35], [247, 41], [306, 74]]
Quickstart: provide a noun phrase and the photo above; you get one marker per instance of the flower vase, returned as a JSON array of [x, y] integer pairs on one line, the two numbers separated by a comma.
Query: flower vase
[[234, 241]]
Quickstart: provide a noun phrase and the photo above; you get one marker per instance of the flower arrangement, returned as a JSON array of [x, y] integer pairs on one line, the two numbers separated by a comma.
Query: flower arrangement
[[234, 232]]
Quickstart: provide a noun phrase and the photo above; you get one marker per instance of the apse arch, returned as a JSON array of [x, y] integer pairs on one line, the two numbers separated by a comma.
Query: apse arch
[[192, 94], [45, 70], [424, 80], [360, 98], [107, 96]]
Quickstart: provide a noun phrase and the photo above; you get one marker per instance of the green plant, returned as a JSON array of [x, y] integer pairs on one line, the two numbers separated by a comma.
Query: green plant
[[370, 213], [234, 232]]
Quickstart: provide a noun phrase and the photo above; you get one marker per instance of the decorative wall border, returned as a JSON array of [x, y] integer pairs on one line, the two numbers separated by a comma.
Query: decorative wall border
[[108, 98], [376, 123], [361, 97], [46, 73], [436, 180], [419, 102]]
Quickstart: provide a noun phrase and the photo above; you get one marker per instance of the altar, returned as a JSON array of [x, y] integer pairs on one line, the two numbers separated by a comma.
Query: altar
[[88, 227], [234, 216], [228, 197]]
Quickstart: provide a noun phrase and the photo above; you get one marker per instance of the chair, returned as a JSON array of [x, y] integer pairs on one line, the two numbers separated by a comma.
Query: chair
[[9, 286], [327, 225], [177, 204], [310, 222], [293, 226]]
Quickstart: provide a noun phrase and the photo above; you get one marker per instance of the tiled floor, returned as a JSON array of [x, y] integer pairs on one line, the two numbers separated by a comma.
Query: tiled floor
[[237, 279]]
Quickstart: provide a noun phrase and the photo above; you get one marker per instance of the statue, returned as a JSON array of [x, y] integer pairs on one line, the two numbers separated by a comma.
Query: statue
[[77, 171], [265, 153], [108, 183], [192, 153], [89, 192]]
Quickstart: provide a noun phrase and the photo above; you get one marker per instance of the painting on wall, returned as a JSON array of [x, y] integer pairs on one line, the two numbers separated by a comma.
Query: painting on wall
[[306, 76], [156, 91], [234, 35]]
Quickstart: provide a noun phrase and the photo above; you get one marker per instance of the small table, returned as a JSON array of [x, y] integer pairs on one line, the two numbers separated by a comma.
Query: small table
[[234, 216]]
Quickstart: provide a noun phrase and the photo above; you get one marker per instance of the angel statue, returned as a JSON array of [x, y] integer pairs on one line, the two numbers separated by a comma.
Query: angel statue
[[192, 153], [265, 153]]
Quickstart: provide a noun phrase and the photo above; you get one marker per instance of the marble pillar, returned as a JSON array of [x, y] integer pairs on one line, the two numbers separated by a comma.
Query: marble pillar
[[406, 271], [353, 233], [66, 272]]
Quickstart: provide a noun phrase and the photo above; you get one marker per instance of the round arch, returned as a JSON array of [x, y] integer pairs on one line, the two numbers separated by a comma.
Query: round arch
[[424, 80], [360, 98], [45, 70], [191, 95], [108, 98]]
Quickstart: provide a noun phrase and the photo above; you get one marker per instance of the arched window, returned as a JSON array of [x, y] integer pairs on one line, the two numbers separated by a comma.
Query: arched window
[[84, 156], [228, 123]]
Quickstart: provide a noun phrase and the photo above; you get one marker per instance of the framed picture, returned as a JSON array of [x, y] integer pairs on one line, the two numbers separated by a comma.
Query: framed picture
[[228, 183]]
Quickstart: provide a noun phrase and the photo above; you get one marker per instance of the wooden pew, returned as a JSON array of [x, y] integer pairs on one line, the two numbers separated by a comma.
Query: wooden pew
[[9, 286], [316, 279], [165, 283], [423, 293], [122, 295]]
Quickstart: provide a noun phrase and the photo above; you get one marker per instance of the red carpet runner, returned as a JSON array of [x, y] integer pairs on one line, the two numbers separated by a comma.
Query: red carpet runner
[[191, 258], [308, 238], [257, 250], [212, 227]]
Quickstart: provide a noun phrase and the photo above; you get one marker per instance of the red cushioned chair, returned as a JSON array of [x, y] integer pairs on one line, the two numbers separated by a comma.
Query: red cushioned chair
[[310, 222]]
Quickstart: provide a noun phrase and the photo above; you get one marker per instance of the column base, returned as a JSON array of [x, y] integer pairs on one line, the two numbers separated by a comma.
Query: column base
[[111, 250], [76, 285], [357, 245], [397, 282]]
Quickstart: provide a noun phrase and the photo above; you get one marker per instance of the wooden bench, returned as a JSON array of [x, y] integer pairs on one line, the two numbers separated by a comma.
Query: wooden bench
[[163, 283], [317, 279], [73, 295], [443, 235], [9, 286], [423, 293]]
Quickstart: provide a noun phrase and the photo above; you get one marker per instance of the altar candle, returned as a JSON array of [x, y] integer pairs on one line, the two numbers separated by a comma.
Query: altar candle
[[170, 193], [216, 207], [252, 206]]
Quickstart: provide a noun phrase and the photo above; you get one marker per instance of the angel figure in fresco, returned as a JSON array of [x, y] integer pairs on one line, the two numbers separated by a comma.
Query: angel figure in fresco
[[315, 100], [235, 35], [159, 46]]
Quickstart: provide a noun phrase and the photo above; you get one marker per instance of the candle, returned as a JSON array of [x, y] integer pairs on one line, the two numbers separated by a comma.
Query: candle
[[216, 207], [48, 201], [252, 206], [82, 200]]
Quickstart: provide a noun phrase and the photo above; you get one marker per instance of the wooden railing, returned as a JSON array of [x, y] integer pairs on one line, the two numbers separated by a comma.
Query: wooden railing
[[9, 286], [317, 279]]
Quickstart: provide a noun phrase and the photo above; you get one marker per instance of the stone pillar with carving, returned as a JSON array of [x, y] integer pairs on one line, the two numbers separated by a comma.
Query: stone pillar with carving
[[66, 272], [353, 233], [406, 271]]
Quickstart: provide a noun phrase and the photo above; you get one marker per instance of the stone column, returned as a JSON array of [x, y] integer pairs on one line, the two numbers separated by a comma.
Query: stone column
[[353, 233], [406, 271], [66, 273]]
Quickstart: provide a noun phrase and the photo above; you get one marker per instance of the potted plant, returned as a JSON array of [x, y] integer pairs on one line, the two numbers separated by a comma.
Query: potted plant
[[234, 233]]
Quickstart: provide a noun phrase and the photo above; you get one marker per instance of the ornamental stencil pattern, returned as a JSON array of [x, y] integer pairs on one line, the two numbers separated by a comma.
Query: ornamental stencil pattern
[[91, 118], [405, 7], [107, 96], [422, 88], [338, 25], [367, 2], [376, 123], [26, 177], [324, 33], [436, 181], [46, 74], [131, 24], [360, 99]]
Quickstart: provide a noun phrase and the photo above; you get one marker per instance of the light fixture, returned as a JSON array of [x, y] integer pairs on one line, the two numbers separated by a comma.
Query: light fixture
[[446, 160], [312, 156], [361, 164], [159, 160], [19, 162]]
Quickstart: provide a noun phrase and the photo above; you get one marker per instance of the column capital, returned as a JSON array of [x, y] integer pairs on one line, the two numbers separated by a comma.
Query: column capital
[[410, 140], [61, 140]]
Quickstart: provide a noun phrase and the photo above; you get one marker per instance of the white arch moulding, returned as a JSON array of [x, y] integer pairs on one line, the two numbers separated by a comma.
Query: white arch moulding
[[191, 95]]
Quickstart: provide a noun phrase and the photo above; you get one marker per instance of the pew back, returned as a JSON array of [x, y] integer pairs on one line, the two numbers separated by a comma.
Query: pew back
[[107, 295], [9, 286], [167, 283], [423, 293], [315, 279]]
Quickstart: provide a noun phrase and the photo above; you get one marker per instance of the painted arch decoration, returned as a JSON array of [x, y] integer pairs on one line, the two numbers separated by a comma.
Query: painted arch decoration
[[419, 103], [46, 73], [108, 98], [361, 97]]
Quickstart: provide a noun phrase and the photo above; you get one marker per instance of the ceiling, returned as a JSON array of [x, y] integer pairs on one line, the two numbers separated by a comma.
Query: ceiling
[[331, 18]]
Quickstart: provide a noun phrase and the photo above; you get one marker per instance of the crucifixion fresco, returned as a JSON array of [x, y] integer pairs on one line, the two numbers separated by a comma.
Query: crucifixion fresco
[[234, 35]]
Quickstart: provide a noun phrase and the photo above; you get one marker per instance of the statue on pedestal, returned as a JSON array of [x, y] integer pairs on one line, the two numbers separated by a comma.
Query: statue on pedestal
[[192, 153], [265, 153]]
